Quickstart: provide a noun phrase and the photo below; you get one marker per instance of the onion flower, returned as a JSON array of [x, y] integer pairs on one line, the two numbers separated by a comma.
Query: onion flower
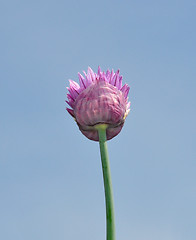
[[99, 106], [99, 99]]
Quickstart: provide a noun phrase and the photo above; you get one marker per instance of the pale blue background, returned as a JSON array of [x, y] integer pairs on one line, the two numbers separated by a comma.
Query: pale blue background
[[50, 175]]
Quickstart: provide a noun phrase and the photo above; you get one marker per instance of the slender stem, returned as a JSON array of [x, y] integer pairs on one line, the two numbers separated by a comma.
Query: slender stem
[[107, 182]]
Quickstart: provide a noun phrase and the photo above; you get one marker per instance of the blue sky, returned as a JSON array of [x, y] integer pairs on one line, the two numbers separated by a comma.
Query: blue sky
[[50, 174]]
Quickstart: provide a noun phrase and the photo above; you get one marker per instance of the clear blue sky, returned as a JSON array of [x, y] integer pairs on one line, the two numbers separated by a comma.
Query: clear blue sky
[[50, 175]]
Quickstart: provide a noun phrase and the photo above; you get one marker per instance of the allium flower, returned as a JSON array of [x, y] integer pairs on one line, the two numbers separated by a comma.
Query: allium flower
[[99, 99]]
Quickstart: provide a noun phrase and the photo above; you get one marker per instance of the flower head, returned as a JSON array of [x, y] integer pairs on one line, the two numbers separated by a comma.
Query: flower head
[[99, 99]]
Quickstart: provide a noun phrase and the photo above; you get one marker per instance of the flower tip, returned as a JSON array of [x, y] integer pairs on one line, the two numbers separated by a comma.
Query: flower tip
[[91, 74], [90, 69], [84, 73], [99, 70]]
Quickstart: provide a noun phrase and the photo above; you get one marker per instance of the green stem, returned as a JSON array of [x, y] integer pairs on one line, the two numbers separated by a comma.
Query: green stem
[[107, 182]]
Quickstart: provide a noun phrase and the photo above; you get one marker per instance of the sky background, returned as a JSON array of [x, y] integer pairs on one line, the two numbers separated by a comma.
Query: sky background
[[51, 185]]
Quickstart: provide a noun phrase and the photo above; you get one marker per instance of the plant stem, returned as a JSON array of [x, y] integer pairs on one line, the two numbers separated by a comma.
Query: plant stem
[[107, 182]]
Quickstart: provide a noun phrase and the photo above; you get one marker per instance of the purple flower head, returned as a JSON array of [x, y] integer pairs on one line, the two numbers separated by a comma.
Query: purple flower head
[[99, 99]]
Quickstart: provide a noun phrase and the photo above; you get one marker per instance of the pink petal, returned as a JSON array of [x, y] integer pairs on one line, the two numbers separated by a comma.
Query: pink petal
[[128, 105], [113, 79], [116, 81], [70, 97], [108, 74], [81, 80], [125, 90], [88, 80], [99, 71], [120, 82], [70, 103], [73, 92], [91, 74], [71, 112], [74, 85], [111, 76]]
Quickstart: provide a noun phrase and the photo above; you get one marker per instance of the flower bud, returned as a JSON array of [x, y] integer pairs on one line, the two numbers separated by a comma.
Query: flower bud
[[99, 99]]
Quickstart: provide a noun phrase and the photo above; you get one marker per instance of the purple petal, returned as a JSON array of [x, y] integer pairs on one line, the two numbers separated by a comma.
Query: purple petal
[[88, 80], [120, 82], [103, 76], [99, 71], [91, 74], [111, 76], [74, 85], [73, 92], [108, 74], [116, 81], [81, 80], [125, 90], [71, 112], [70, 97], [112, 80], [70, 103]]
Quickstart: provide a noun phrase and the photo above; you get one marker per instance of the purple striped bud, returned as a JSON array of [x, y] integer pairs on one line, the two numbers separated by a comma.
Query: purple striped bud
[[99, 99]]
